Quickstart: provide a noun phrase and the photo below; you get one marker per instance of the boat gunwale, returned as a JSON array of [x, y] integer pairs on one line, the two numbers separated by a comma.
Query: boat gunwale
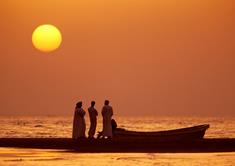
[[182, 131]]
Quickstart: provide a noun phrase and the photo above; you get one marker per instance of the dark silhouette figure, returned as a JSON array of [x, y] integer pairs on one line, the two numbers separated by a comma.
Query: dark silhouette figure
[[114, 125], [93, 120], [107, 113], [114, 128], [79, 125]]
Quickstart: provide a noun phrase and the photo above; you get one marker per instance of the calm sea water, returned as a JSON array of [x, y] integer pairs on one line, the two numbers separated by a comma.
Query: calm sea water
[[61, 127]]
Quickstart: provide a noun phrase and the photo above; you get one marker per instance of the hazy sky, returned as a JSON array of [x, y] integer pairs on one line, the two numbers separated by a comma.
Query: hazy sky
[[148, 57]]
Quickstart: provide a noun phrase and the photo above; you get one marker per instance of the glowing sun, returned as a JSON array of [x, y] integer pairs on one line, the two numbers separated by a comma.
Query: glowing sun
[[46, 38]]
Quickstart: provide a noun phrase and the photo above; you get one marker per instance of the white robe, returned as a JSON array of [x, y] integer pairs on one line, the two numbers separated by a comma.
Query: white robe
[[79, 125], [107, 113], [93, 121]]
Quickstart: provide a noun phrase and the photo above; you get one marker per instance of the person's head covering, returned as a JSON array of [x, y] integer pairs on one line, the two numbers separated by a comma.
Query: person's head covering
[[92, 103], [106, 102], [79, 104]]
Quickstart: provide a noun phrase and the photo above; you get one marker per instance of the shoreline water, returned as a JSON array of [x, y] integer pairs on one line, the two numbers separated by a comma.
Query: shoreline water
[[61, 127], [46, 157], [44, 128]]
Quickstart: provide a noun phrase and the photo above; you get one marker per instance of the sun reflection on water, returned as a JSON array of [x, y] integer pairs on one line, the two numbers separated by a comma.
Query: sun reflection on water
[[35, 157]]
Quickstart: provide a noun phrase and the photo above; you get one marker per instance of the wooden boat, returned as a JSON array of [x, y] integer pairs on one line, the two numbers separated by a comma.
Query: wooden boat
[[123, 145], [195, 132], [187, 140]]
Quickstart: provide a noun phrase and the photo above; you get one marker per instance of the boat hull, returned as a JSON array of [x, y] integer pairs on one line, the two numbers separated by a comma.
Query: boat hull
[[179, 140], [195, 132], [123, 145]]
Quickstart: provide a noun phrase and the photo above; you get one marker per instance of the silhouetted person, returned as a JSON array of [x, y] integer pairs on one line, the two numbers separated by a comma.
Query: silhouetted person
[[114, 128], [114, 125], [79, 125], [107, 113], [93, 120]]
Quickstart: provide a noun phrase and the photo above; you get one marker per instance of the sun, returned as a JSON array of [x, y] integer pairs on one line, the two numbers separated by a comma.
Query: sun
[[46, 38]]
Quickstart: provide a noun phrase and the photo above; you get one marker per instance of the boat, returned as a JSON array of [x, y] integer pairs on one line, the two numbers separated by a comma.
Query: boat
[[188, 139], [123, 145], [194, 132]]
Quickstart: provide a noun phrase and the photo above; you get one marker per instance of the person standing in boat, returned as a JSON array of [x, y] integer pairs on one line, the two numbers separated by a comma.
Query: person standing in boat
[[107, 113], [79, 125], [93, 120]]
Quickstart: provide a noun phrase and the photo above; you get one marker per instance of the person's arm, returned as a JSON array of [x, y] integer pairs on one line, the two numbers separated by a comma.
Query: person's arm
[[81, 113], [111, 111], [102, 112], [75, 112]]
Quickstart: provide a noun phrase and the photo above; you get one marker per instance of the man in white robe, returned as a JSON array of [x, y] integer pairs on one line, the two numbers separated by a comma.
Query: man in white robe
[[93, 120], [107, 113], [79, 125]]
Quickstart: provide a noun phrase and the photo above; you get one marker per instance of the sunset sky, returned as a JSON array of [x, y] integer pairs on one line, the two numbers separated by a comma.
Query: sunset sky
[[148, 57]]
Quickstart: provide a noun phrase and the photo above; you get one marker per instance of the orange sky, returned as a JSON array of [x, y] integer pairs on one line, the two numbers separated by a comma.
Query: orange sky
[[149, 57]]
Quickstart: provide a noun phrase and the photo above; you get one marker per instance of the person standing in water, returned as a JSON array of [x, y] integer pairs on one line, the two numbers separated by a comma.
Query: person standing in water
[[79, 125], [93, 120], [107, 113]]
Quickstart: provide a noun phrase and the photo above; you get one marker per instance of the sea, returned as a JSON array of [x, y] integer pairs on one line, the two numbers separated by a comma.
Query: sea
[[61, 126]]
